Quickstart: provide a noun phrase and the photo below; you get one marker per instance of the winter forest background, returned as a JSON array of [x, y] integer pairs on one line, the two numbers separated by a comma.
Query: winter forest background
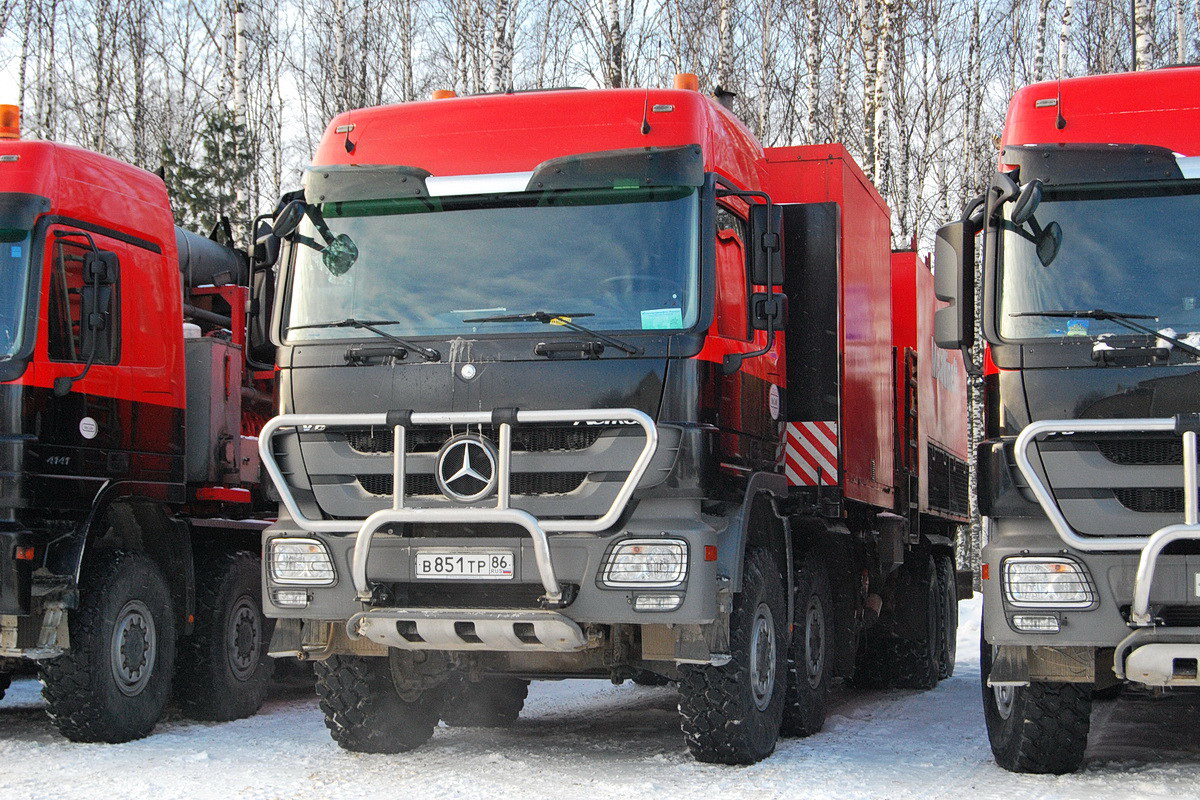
[[229, 97]]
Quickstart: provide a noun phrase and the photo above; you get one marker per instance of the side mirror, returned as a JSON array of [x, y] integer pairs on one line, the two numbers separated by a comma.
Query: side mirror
[[288, 219], [768, 312], [954, 283], [766, 240], [1026, 203], [100, 267], [1048, 243]]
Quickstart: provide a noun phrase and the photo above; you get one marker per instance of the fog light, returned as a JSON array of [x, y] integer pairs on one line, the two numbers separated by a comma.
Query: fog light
[[657, 602], [301, 562], [290, 598], [647, 562], [1036, 623], [1047, 582]]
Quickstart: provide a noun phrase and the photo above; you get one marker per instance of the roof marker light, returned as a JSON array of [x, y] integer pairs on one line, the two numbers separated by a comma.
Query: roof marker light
[[687, 81], [10, 122], [444, 94]]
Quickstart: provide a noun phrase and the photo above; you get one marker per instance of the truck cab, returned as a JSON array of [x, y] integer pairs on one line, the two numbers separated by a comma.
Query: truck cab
[[544, 415], [126, 450], [1087, 472]]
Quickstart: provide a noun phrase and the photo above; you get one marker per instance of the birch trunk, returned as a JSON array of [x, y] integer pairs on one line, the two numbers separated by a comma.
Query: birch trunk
[[869, 27], [812, 62], [498, 81], [1180, 33], [723, 35], [1142, 35], [1064, 35], [882, 89], [339, 55], [1039, 47]]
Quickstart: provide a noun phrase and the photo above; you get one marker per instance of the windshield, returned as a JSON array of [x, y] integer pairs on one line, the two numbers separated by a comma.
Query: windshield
[[627, 257], [14, 265], [1132, 249]]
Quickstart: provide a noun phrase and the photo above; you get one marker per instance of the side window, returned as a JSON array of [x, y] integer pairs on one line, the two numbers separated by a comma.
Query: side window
[[732, 319], [74, 301]]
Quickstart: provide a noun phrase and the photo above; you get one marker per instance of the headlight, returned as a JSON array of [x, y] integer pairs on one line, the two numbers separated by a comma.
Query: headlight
[[304, 562], [1047, 582], [647, 563]]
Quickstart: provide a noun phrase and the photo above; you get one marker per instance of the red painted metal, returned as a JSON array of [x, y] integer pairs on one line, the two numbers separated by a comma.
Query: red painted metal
[[1156, 107], [101, 191], [824, 174], [224, 494]]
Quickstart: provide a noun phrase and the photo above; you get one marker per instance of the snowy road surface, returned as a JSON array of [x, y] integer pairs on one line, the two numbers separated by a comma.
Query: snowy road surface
[[590, 739]]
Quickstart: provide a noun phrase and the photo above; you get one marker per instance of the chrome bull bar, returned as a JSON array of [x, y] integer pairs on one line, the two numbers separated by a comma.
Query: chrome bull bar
[[500, 512], [1150, 546]]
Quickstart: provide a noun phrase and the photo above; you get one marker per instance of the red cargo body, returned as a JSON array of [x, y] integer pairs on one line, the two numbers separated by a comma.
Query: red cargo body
[[931, 395], [837, 259]]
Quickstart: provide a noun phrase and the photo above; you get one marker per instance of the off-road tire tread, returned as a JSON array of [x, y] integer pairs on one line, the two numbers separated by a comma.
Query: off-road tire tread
[[494, 702], [804, 710], [363, 711], [713, 700], [1054, 735], [66, 686], [199, 688], [947, 625]]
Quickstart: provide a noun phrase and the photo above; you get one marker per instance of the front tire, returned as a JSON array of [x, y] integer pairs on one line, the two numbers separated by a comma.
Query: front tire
[[732, 714], [114, 682], [364, 711], [1041, 728], [810, 661], [494, 702], [223, 666]]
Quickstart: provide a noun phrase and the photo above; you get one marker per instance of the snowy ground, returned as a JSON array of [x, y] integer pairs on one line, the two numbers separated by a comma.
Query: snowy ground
[[592, 739]]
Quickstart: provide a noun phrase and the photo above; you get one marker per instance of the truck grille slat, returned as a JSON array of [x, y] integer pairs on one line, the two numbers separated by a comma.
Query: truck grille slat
[[523, 483], [1142, 452], [422, 439]]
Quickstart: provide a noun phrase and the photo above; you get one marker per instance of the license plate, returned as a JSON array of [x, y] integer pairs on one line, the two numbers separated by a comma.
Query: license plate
[[464, 564]]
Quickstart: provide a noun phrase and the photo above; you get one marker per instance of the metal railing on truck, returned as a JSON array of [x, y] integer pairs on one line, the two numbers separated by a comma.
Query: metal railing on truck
[[1151, 547], [500, 512]]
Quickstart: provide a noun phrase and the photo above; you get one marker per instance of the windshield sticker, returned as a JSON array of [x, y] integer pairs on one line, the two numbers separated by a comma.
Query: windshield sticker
[[657, 319], [15, 251], [1078, 327]]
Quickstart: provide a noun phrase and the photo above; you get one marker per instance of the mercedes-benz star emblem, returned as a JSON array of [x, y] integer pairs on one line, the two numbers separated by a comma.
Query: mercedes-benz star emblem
[[466, 468]]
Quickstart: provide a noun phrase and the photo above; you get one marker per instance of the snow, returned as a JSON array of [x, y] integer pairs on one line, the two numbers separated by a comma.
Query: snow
[[592, 739]]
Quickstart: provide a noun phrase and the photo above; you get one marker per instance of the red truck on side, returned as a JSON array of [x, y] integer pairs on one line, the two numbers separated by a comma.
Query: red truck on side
[[590, 384], [1087, 475], [130, 504]]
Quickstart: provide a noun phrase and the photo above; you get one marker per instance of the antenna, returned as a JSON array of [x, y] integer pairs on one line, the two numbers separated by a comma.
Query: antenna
[[646, 114], [1060, 121]]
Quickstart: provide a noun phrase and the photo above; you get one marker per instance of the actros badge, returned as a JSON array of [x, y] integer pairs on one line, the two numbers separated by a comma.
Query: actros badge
[[466, 468]]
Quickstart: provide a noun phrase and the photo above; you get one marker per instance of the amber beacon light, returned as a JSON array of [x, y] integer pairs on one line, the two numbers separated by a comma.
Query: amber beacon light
[[10, 122]]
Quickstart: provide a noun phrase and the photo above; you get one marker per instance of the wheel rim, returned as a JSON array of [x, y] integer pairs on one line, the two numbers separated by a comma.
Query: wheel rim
[[243, 638], [1004, 697], [133, 648], [762, 656], [814, 642]]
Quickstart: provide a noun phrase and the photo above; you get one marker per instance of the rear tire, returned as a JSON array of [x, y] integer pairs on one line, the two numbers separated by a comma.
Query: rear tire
[[948, 629], [810, 661], [114, 682], [732, 714], [494, 702], [365, 713], [913, 661], [223, 667], [1041, 728]]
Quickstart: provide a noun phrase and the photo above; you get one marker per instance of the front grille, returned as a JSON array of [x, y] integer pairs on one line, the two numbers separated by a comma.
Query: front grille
[[522, 483], [1151, 501], [468, 595], [1142, 452], [1180, 616], [533, 439]]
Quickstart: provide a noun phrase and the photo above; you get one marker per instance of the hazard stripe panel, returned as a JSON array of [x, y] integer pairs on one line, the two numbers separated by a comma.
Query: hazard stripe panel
[[811, 454]]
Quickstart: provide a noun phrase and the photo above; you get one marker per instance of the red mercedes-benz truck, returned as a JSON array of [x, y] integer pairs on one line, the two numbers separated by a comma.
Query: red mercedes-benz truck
[[588, 384], [129, 475], [1087, 475]]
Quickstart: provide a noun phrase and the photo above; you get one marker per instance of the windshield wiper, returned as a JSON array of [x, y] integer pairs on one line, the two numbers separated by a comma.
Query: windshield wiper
[[1124, 320], [369, 325], [565, 320]]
